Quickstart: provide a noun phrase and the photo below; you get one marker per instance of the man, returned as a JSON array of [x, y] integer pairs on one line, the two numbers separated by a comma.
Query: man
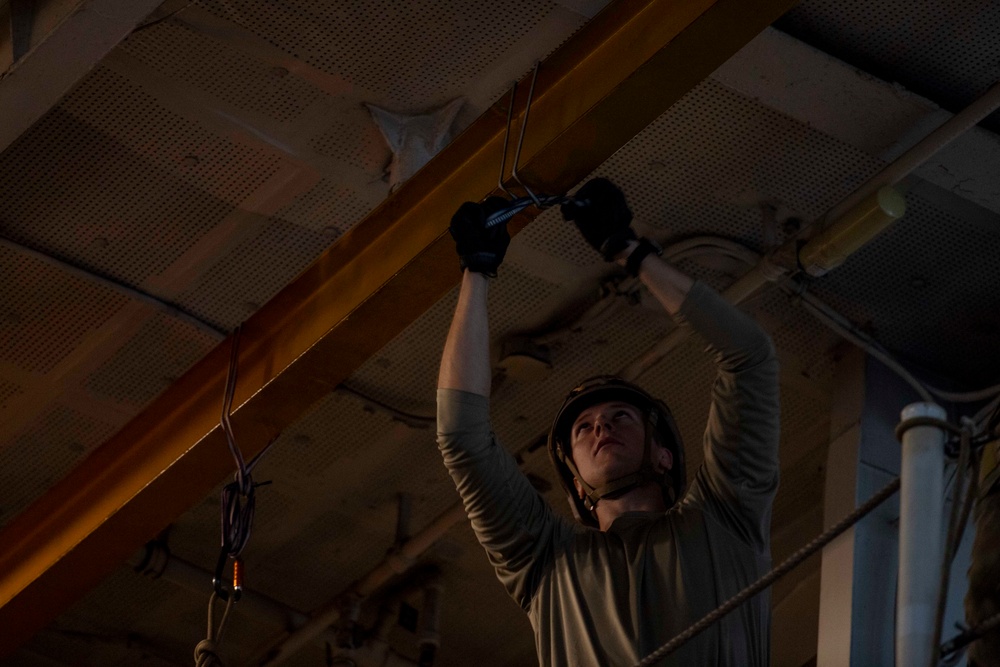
[[642, 567]]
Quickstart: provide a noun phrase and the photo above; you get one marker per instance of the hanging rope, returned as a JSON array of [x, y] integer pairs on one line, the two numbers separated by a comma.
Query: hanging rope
[[960, 641], [790, 563], [205, 653]]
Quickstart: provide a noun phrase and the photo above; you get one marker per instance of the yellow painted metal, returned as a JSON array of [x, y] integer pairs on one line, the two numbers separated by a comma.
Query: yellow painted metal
[[614, 77]]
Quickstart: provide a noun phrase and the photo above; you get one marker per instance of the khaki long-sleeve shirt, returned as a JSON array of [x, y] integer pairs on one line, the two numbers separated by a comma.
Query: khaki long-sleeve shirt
[[611, 598]]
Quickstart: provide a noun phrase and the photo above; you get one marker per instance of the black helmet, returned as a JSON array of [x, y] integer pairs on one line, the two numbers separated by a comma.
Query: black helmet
[[601, 389]]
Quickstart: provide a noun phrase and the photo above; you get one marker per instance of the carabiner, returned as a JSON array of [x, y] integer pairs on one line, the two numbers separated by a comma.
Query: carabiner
[[237, 582]]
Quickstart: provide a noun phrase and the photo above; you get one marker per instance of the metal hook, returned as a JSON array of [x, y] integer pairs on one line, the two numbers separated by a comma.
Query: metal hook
[[506, 140], [520, 140]]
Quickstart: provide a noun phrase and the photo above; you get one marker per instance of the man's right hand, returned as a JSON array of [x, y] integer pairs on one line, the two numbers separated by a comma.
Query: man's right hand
[[481, 249]]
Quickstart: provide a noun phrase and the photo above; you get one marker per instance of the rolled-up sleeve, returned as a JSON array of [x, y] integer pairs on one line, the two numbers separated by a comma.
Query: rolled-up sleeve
[[739, 478], [516, 527]]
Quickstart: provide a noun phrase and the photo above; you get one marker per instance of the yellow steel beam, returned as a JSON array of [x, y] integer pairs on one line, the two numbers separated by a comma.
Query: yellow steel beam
[[614, 77]]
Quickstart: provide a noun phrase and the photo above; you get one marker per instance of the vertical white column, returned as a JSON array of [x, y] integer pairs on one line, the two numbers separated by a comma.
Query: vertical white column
[[920, 536], [834, 640]]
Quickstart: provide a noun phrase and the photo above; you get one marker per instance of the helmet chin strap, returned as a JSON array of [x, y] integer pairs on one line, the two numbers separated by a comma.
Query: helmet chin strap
[[617, 487]]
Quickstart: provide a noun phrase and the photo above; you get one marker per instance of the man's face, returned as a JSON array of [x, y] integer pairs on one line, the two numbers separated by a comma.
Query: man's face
[[607, 442]]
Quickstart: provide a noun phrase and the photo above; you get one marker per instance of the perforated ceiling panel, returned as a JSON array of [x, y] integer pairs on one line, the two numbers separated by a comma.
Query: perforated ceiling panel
[[946, 51], [36, 339], [926, 258], [352, 136], [232, 290], [330, 208], [113, 181], [183, 54], [160, 351], [416, 54], [710, 162]]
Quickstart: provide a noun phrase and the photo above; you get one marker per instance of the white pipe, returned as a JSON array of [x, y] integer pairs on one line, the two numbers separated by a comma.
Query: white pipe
[[937, 139], [921, 537]]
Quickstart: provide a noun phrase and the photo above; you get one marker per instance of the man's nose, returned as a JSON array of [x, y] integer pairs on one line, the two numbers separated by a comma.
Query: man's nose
[[602, 424]]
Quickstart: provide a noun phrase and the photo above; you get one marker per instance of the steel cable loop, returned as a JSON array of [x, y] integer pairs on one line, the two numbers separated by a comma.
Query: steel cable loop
[[237, 511], [789, 564], [517, 205], [238, 501]]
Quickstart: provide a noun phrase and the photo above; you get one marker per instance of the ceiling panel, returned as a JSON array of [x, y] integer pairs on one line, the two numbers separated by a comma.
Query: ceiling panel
[[414, 55], [946, 51]]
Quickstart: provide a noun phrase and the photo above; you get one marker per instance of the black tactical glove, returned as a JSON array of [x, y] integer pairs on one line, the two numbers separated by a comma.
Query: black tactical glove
[[480, 249], [602, 216]]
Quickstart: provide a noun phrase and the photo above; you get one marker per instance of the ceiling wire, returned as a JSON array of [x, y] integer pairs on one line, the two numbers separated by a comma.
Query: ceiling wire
[[164, 306], [408, 418]]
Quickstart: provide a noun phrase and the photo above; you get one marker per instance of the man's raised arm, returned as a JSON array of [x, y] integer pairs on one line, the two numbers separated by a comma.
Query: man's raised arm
[[738, 481], [465, 363], [511, 521]]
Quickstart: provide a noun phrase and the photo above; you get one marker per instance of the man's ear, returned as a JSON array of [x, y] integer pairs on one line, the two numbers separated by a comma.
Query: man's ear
[[665, 458], [579, 488]]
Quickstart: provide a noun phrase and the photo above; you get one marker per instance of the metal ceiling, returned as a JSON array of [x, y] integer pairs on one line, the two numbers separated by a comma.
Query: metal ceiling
[[168, 168]]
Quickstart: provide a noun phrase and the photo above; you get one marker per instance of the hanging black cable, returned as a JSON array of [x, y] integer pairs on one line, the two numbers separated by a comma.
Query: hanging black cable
[[238, 502]]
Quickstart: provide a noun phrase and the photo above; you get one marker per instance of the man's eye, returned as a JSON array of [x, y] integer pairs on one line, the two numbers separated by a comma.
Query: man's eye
[[620, 414], [582, 427]]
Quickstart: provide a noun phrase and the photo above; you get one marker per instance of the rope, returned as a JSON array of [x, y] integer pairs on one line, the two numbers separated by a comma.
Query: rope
[[789, 564], [206, 652], [962, 640]]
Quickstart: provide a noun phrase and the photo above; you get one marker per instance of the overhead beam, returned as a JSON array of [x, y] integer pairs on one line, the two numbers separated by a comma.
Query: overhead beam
[[614, 77], [43, 69]]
